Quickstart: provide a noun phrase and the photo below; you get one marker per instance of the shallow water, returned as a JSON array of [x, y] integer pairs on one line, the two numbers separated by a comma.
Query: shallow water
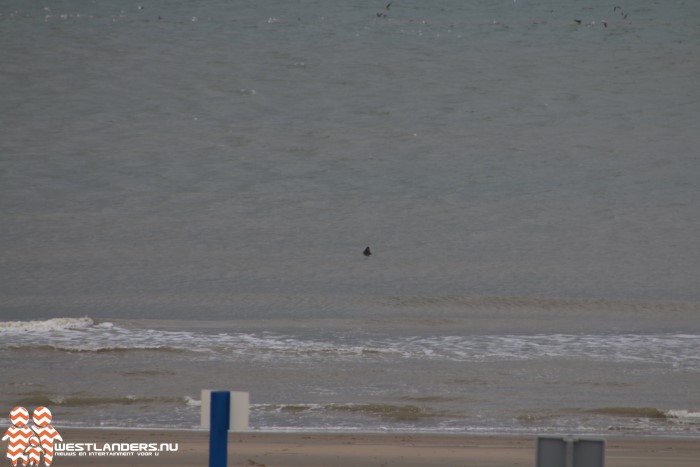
[[463, 372]]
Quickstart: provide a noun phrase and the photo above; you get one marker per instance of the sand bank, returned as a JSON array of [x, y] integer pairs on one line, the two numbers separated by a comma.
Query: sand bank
[[353, 450]]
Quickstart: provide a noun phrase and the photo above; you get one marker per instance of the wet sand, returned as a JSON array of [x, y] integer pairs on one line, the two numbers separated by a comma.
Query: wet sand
[[367, 450]]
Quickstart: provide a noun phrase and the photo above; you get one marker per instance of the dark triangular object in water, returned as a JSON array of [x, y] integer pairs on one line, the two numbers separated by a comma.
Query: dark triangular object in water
[[367, 252]]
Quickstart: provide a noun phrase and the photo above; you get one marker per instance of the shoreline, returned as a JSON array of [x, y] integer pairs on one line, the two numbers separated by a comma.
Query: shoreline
[[306, 449], [318, 431]]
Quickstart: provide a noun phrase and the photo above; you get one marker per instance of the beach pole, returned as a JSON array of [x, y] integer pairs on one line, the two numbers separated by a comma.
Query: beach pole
[[218, 428]]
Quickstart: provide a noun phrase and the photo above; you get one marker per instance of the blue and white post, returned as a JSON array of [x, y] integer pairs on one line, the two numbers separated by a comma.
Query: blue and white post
[[218, 428], [223, 411]]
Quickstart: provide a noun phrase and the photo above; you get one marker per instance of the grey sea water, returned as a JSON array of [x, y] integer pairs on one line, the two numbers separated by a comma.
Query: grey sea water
[[186, 189]]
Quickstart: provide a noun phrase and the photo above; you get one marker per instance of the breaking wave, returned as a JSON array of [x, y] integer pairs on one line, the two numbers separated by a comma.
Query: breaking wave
[[55, 324], [82, 401], [684, 417], [398, 413], [86, 335], [78, 335]]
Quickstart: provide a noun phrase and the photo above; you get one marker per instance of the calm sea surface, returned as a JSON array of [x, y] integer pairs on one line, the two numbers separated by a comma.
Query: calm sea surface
[[186, 189]]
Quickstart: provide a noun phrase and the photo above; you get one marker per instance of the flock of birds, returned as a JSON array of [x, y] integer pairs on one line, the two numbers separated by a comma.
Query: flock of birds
[[385, 14], [605, 23]]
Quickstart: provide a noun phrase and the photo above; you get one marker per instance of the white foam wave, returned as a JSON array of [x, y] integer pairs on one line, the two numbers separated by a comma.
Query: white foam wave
[[84, 334], [269, 343], [75, 334], [679, 350], [684, 417], [55, 324], [191, 402]]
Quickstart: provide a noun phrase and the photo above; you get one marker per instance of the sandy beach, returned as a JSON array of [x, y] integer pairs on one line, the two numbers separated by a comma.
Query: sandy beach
[[352, 450]]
